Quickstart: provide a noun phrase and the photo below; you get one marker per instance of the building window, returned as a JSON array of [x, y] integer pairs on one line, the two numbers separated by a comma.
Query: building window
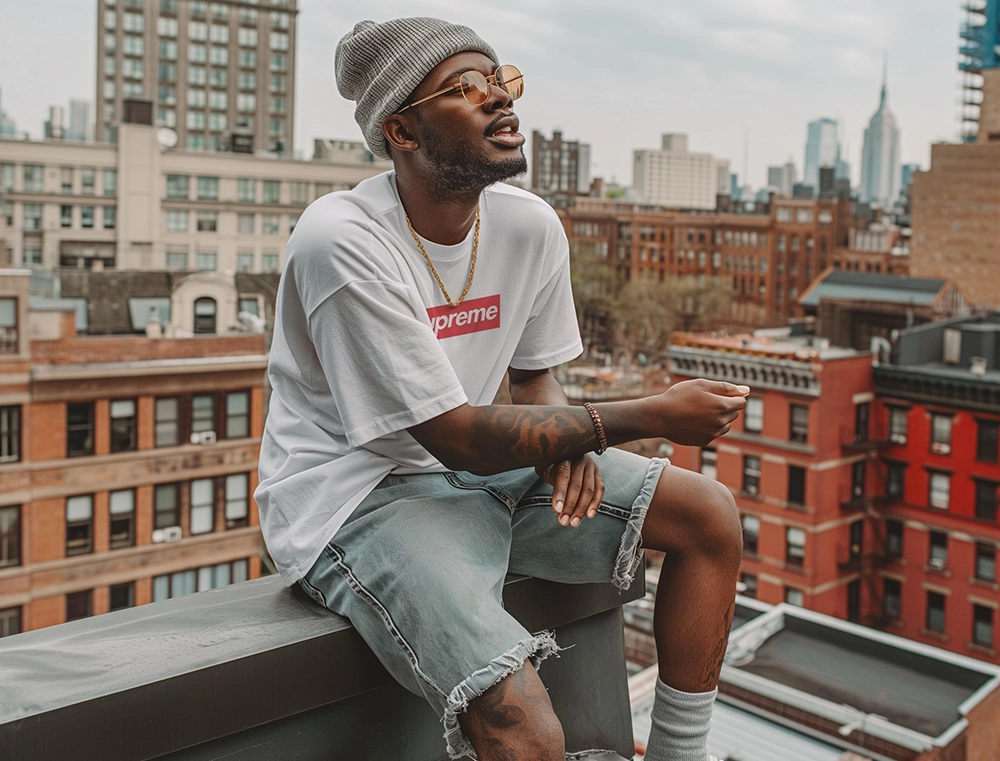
[[859, 472], [198, 75], [202, 506], [939, 490], [219, 78], [122, 596], [272, 191], [986, 562], [269, 224], [279, 62], [87, 217], [237, 500], [245, 223], [751, 474], [892, 592], [749, 582], [895, 472], [202, 413], [238, 415], [941, 434], [751, 532], [795, 597], [32, 215], [894, 538], [248, 16], [79, 525], [166, 426], [982, 626], [937, 556], [709, 463], [986, 500], [166, 505], [299, 193], [110, 217], [123, 426], [65, 216], [898, 424], [754, 415], [66, 179], [204, 308], [34, 178], [247, 38], [861, 421], [293, 219], [79, 605], [176, 259], [269, 262], [986, 441], [10, 622], [244, 261], [8, 326], [10, 433], [208, 222], [935, 612], [208, 188], [799, 425], [79, 429], [10, 536], [246, 190], [121, 506], [795, 546], [178, 186], [199, 579], [177, 221], [796, 485]]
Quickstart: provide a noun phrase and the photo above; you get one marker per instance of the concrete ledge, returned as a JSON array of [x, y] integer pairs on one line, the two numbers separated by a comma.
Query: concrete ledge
[[257, 671]]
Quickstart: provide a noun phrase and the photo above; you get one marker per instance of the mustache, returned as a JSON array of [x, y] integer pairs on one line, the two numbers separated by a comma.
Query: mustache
[[491, 127]]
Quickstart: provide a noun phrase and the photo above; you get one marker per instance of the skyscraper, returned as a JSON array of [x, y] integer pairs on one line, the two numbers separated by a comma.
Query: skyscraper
[[79, 120], [211, 69], [782, 178], [672, 176], [980, 51], [822, 149], [558, 165], [880, 173]]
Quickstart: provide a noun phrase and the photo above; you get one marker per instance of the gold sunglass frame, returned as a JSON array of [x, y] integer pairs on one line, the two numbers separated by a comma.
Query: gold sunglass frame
[[491, 81]]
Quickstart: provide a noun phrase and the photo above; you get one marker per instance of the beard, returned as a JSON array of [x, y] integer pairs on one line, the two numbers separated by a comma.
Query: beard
[[461, 167]]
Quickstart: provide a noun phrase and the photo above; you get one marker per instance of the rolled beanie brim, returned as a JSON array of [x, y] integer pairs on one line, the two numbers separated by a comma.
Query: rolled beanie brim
[[379, 65]]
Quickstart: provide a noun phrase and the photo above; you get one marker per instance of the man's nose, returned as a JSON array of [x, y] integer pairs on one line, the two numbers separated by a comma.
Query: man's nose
[[497, 98]]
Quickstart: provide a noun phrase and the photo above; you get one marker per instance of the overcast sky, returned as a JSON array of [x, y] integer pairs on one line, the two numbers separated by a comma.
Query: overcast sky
[[614, 73]]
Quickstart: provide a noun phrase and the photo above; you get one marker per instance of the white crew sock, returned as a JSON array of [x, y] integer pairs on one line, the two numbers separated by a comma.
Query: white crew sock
[[680, 723]]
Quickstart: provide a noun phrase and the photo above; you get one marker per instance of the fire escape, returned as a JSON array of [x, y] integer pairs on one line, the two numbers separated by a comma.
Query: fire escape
[[980, 50]]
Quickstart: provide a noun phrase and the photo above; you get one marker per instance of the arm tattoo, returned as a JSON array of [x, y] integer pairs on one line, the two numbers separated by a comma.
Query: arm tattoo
[[530, 436]]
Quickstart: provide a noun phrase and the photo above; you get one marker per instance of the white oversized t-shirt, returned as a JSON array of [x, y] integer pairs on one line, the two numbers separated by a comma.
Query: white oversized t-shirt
[[366, 346]]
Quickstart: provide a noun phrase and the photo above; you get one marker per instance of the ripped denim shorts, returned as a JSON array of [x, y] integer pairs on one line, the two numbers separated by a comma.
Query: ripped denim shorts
[[419, 569]]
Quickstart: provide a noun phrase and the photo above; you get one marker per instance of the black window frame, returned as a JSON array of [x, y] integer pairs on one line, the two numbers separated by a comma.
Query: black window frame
[[894, 469], [892, 588], [124, 435], [985, 504], [930, 622], [894, 412], [750, 585], [751, 474], [859, 478], [159, 521], [939, 444], [796, 485], [987, 446], [205, 324], [241, 521], [74, 429], [798, 431], [10, 433], [79, 605], [10, 540], [862, 421], [751, 541], [121, 525], [983, 612], [10, 621], [937, 549], [79, 533], [985, 558], [894, 532], [126, 590]]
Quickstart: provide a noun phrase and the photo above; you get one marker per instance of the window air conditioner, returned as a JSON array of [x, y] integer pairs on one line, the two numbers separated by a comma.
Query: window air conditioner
[[169, 534], [937, 564], [938, 448], [898, 438], [203, 437]]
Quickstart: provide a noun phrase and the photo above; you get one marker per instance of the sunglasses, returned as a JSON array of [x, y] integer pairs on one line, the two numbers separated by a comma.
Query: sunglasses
[[475, 87]]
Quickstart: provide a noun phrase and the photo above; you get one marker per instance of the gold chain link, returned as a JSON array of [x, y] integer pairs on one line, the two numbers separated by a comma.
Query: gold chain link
[[434, 272]]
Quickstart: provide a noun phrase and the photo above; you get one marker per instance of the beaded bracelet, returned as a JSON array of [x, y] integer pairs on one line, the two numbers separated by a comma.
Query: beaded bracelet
[[602, 439]]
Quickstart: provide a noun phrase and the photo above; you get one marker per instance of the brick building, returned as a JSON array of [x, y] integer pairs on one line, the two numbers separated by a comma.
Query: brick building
[[764, 261], [127, 462], [956, 208]]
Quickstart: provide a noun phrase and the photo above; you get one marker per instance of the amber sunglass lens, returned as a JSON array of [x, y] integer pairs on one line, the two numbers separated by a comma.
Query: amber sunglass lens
[[511, 80], [475, 88]]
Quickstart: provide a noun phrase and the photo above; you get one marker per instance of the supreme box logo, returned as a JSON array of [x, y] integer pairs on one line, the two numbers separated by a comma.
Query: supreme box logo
[[468, 317]]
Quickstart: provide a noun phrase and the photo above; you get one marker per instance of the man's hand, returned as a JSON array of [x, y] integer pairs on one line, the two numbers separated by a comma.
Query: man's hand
[[697, 411], [577, 488]]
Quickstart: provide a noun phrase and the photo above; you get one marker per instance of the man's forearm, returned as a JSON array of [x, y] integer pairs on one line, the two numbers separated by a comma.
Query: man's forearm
[[536, 388]]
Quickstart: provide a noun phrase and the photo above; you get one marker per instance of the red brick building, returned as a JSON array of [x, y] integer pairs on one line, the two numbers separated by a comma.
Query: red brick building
[[127, 463]]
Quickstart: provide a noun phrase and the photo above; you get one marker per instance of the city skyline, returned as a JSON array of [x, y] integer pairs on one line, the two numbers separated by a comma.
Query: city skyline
[[724, 70]]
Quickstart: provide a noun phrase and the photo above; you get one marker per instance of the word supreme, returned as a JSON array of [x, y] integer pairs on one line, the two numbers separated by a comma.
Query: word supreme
[[470, 316]]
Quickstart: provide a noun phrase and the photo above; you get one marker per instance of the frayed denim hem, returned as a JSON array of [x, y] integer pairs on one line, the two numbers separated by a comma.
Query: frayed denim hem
[[536, 648], [628, 559]]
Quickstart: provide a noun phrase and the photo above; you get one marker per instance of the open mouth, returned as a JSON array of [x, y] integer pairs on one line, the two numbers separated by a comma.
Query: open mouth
[[506, 134]]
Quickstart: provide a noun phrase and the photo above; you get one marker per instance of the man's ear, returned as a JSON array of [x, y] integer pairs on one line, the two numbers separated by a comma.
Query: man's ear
[[399, 133]]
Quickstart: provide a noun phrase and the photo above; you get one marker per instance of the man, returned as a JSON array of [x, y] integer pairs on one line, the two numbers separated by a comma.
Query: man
[[396, 493]]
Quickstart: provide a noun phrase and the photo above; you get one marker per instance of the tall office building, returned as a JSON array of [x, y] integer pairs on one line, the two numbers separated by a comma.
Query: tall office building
[[822, 149], [558, 165], [212, 70], [782, 178], [979, 51], [672, 176], [79, 121], [880, 173]]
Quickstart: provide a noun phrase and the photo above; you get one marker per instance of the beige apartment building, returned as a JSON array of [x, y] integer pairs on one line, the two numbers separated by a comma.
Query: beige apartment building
[[139, 206], [212, 69]]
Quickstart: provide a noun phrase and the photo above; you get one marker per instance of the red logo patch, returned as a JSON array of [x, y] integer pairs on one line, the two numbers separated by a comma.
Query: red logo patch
[[468, 317]]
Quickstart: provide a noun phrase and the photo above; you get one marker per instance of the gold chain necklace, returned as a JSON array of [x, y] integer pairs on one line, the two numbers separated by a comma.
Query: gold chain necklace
[[434, 272]]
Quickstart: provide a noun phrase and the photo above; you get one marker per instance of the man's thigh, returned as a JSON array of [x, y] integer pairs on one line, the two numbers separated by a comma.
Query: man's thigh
[[603, 548]]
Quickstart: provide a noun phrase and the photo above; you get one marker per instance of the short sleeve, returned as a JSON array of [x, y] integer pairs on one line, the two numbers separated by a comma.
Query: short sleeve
[[551, 335], [383, 365]]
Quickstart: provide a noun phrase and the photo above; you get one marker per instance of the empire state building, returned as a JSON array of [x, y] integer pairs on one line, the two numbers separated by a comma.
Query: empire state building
[[880, 171]]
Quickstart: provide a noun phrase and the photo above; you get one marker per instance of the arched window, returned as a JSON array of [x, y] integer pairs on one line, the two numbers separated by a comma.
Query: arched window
[[204, 315]]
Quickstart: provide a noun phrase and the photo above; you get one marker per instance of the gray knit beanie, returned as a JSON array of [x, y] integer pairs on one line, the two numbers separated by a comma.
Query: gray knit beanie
[[379, 65]]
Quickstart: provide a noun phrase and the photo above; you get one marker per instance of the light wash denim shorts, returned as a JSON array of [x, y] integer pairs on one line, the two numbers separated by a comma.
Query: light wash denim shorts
[[419, 570]]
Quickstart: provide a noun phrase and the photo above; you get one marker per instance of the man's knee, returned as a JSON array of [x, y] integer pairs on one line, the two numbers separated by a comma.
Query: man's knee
[[514, 718], [693, 513]]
